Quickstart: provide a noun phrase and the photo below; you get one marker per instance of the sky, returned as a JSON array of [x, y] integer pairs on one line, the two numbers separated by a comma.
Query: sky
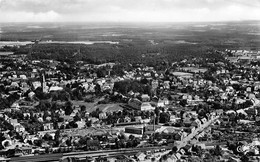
[[128, 10]]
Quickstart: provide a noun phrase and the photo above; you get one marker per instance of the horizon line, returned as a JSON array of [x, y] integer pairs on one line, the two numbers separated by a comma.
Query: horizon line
[[128, 21]]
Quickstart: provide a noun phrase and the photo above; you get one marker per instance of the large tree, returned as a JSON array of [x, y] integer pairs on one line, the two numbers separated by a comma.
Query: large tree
[[68, 108]]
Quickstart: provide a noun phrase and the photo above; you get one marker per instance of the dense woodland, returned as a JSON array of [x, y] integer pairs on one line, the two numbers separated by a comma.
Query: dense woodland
[[123, 53], [138, 43]]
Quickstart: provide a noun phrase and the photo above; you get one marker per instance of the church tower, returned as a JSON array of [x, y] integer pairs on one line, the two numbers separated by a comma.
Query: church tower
[[44, 86]]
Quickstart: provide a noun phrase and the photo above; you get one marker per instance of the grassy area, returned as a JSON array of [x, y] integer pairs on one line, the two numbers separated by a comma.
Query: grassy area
[[103, 107]]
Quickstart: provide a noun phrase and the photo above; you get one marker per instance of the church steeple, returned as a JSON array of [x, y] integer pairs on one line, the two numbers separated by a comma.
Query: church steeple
[[44, 86]]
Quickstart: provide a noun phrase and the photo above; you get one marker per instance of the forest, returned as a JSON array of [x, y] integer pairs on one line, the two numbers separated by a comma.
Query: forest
[[123, 53], [150, 44]]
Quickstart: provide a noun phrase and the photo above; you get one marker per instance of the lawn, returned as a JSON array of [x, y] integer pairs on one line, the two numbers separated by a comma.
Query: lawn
[[93, 106]]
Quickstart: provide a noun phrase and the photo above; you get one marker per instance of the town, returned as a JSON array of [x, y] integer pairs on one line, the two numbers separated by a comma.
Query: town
[[198, 109]]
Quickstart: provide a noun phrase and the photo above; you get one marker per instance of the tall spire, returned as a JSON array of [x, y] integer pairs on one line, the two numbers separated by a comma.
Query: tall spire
[[44, 87]]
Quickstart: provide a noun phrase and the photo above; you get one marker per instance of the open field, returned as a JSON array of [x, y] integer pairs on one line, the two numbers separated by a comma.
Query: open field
[[103, 107]]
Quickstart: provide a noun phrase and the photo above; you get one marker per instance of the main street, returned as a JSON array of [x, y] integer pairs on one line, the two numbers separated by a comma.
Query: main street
[[197, 131]]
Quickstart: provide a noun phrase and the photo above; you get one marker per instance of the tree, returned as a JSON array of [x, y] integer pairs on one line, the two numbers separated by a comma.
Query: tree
[[47, 137], [5, 125], [57, 135], [96, 113], [129, 143], [77, 117], [136, 86], [73, 124], [45, 115], [157, 111], [88, 123], [39, 94], [68, 142], [144, 81], [122, 87], [44, 105], [83, 108], [117, 70], [217, 151], [244, 158], [38, 142], [247, 104], [4, 103], [136, 142], [68, 108], [98, 89], [131, 137], [47, 150], [158, 136], [183, 103], [164, 117], [101, 73], [64, 95]]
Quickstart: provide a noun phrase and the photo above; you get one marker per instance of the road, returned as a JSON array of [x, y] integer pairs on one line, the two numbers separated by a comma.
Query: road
[[185, 141]]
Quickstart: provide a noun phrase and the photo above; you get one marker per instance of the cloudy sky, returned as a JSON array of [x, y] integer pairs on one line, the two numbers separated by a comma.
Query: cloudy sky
[[128, 10]]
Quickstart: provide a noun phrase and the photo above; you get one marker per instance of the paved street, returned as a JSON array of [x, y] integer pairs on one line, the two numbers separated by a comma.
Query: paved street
[[185, 141]]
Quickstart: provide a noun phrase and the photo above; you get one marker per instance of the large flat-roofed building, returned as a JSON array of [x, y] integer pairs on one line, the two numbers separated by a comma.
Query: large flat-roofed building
[[133, 130], [182, 74]]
